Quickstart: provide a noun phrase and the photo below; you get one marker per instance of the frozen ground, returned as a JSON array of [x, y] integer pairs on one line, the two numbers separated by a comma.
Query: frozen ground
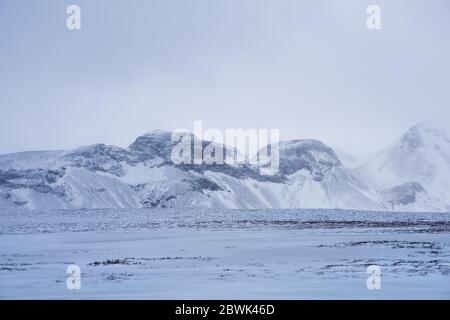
[[209, 254]]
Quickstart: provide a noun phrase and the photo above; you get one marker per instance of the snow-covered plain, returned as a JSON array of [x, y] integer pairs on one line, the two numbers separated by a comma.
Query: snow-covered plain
[[221, 254]]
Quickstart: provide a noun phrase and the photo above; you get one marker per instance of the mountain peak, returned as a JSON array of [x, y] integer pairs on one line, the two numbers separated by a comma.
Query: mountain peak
[[426, 133], [157, 134], [412, 138], [309, 154], [427, 127], [156, 143], [421, 155]]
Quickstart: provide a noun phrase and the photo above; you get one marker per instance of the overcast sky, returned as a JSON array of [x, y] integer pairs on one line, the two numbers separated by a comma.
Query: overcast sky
[[310, 68]]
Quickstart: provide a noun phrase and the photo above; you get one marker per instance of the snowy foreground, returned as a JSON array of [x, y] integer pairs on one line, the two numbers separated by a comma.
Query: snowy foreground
[[210, 254]]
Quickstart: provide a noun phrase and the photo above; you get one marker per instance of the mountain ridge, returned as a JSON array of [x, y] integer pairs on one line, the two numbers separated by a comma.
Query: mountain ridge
[[311, 175]]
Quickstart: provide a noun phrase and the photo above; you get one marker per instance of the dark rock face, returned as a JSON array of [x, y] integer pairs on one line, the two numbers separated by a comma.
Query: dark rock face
[[237, 171], [152, 145], [100, 157], [312, 155], [36, 179], [412, 138], [403, 194], [159, 144], [201, 184]]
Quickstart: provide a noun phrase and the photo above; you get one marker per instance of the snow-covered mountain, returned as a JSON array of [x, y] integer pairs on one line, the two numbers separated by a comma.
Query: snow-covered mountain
[[311, 176], [412, 173]]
